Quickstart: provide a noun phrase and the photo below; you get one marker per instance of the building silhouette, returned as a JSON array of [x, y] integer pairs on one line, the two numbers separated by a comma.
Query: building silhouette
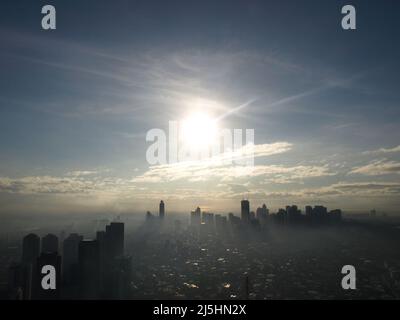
[[245, 210], [30, 248], [30, 254], [162, 210], [114, 238], [89, 269], [70, 265], [46, 259], [195, 217], [50, 243]]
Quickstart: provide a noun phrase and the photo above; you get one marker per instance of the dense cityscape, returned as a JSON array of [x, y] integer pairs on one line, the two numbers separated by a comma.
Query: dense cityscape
[[259, 255]]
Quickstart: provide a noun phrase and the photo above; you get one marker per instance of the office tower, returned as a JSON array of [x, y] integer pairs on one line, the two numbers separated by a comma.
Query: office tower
[[162, 210], [335, 215], [280, 216], [293, 214], [208, 218], [245, 210], [50, 243], [114, 238], [233, 220], [15, 281], [259, 213], [320, 214], [262, 214], [221, 224], [121, 278], [30, 248], [309, 211], [70, 257], [47, 259], [195, 217], [111, 248], [30, 253], [89, 269], [252, 215]]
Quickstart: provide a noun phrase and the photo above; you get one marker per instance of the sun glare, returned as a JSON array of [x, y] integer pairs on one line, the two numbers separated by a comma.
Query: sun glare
[[199, 130]]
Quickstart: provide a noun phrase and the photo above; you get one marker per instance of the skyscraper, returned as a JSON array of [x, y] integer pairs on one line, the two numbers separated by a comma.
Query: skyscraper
[[245, 210], [46, 259], [70, 257], [89, 269], [115, 239], [30, 248], [111, 248], [50, 243], [30, 253], [195, 217], [162, 210]]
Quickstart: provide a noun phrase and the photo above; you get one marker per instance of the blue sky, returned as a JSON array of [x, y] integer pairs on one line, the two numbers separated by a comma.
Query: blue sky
[[76, 103]]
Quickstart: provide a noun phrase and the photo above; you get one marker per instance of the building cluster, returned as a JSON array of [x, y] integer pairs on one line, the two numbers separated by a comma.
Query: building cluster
[[85, 269], [291, 215], [99, 269], [161, 213]]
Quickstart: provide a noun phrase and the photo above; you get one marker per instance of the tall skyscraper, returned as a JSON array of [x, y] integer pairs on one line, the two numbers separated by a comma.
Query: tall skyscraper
[[195, 217], [46, 259], [162, 209], [89, 269], [111, 249], [309, 211], [50, 243], [115, 239], [70, 257], [30, 253], [30, 248], [245, 210]]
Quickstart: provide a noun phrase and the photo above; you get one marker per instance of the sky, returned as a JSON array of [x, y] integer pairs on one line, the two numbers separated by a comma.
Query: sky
[[77, 102]]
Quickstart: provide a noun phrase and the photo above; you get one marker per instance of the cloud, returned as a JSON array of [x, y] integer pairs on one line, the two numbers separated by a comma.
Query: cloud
[[383, 150], [72, 184], [378, 167], [220, 167], [81, 173]]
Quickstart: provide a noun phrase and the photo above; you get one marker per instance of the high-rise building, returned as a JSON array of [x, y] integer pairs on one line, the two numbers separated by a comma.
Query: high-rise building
[[70, 257], [320, 214], [30, 248], [195, 217], [265, 209], [293, 214], [162, 210], [47, 259], [30, 253], [89, 269], [111, 249], [115, 239], [335, 215], [121, 278], [262, 214], [245, 210], [15, 281], [50, 243]]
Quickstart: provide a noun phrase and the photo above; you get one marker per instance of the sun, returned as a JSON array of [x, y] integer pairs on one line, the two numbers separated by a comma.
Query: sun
[[199, 130]]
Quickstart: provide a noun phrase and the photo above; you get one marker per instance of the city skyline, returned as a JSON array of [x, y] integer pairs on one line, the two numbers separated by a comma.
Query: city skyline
[[77, 102]]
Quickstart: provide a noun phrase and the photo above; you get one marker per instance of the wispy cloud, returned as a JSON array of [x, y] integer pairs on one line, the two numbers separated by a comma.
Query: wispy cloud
[[217, 168], [378, 167], [69, 184], [383, 150]]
